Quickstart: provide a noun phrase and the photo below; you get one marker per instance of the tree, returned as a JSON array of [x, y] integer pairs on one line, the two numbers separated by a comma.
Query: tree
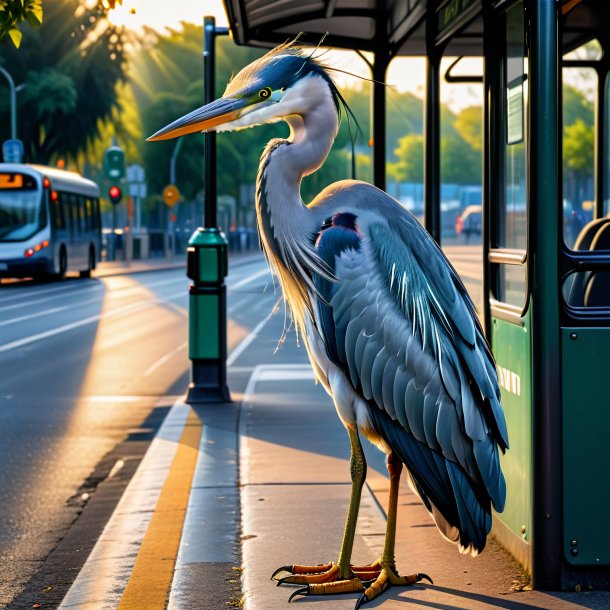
[[460, 162], [579, 148], [70, 67], [410, 155], [13, 12], [469, 124]]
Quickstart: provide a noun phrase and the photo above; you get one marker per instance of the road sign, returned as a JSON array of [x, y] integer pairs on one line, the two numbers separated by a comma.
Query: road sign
[[12, 151], [135, 173], [171, 195]]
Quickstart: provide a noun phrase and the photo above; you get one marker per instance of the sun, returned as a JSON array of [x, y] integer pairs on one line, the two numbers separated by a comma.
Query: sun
[[160, 14]]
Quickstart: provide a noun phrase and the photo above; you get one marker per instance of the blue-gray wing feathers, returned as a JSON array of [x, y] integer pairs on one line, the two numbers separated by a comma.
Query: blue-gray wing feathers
[[401, 325]]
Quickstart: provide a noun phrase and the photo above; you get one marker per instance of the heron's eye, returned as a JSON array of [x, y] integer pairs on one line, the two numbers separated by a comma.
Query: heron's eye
[[263, 94]]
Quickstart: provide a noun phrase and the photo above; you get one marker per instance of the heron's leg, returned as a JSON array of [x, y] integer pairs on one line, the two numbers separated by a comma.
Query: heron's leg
[[388, 575], [357, 466], [339, 577]]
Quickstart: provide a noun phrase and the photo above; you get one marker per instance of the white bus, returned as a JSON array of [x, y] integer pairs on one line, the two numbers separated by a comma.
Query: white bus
[[49, 222]]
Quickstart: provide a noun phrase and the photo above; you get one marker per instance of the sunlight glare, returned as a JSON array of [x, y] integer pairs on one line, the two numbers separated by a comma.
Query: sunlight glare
[[160, 14]]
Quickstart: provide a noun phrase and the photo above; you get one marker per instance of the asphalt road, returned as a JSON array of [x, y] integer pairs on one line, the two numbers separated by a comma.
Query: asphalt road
[[85, 364]]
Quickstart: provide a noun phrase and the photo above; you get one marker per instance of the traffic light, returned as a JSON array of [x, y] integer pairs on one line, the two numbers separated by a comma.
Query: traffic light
[[114, 163], [115, 194]]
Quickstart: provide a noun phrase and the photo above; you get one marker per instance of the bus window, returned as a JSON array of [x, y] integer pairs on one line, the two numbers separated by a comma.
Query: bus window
[[606, 137], [97, 215], [461, 163], [88, 206], [76, 215], [404, 133], [58, 214], [20, 209], [65, 202], [579, 99], [510, 230]]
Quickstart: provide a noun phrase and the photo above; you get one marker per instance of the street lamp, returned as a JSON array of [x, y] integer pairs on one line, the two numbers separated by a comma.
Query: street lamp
[[11, 84], [207, 266]]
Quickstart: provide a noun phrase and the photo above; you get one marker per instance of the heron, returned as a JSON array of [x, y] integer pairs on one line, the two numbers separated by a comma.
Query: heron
[[389, 328]]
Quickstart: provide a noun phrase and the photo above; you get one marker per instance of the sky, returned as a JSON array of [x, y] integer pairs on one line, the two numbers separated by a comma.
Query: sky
[[406, 74]]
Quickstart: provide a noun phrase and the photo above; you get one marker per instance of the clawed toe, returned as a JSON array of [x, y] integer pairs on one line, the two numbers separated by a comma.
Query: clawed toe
[[302, 591], [387, 578], [422, 576]]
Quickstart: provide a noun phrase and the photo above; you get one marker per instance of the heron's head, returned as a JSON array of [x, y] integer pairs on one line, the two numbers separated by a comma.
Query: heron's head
[[268, 90]]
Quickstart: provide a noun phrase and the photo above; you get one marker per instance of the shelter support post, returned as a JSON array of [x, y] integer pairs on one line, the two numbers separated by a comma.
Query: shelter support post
[[544, 245], [378, 118], [432, 166]]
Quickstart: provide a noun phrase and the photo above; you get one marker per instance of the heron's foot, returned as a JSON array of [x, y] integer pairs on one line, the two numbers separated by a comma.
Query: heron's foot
[[388, 577], [326, 579]]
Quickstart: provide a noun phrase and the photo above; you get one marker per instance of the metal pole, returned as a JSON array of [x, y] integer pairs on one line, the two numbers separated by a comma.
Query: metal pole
[[172, 162], [432, 172], [545, 222], [207, 266], [11, 84], [210, 31], [378, 132]]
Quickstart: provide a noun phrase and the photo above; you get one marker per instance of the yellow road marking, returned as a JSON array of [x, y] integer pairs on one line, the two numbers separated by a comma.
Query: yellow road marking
[[151, 577]]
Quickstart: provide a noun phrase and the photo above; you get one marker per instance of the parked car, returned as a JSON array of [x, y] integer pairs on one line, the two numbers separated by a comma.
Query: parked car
[[469, 222]]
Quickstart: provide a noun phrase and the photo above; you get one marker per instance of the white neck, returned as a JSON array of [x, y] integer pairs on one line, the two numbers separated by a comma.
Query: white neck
[[313, 125]]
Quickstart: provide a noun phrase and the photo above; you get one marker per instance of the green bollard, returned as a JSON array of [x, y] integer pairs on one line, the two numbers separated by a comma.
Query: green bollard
[[207, 264]]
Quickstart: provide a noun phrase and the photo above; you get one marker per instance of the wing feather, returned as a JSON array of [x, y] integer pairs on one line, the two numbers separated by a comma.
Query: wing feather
[[406, 334]]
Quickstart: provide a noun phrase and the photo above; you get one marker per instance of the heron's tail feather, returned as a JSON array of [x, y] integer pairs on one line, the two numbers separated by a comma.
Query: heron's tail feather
[[461, 511]]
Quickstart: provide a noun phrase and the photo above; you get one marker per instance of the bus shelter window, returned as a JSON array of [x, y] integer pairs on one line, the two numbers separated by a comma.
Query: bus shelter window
[[461, 163], [579, 93], [404, 133], [511, 214]]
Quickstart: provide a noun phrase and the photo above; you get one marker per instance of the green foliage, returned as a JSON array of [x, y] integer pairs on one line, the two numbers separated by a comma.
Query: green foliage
[[579, 148], [576, 106], [410, 155], [460, 162], [14, 12], [469, 124], [578, 135], [70, 67]]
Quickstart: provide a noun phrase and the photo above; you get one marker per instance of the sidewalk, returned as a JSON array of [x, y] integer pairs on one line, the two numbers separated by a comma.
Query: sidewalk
[[275, 464], [108, 268]]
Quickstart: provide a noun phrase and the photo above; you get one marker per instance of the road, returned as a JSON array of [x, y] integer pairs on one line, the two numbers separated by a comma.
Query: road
[[86, 366]]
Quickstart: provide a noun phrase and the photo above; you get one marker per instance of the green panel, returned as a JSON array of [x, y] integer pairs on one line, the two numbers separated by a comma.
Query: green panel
[[512, 350], [208, 265], [586, 434], [203, 326]]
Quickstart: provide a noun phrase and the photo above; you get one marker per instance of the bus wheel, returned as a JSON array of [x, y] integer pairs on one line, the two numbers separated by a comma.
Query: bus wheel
[[91, 267], [63, 263]]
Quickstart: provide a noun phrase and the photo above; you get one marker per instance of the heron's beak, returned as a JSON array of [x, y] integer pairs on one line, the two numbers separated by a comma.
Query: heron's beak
[[218, 112]]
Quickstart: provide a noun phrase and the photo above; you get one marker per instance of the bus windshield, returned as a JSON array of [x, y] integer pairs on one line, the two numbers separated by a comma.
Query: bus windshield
[[20, 208]]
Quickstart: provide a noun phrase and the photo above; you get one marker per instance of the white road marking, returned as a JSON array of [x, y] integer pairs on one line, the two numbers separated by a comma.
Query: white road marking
[[126, 309], [34, 292], [247, 280], [246, 341], [27, 303], [153, 367], [33, 315], [169, 355]]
